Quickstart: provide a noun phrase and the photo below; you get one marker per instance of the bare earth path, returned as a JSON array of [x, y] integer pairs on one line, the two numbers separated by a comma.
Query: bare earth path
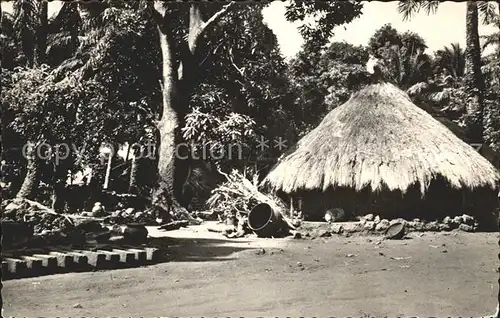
[[433, 275]]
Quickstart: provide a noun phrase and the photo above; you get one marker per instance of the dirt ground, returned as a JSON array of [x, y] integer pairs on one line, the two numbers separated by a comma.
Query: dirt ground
[[432, 275]]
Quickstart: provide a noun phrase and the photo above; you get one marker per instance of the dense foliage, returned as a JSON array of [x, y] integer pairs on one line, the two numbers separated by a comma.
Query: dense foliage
[[101, 81]]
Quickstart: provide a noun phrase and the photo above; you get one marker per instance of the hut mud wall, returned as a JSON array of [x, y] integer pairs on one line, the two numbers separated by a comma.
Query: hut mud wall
[[439, 201]]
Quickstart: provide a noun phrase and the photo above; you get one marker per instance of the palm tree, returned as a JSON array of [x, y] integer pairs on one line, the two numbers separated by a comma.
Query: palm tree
[[451, 59], [31, 26], [473, 76], [404, 68]]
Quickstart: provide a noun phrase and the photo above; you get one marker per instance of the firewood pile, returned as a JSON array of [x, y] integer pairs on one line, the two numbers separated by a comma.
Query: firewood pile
[[237, 195], [233, 200]]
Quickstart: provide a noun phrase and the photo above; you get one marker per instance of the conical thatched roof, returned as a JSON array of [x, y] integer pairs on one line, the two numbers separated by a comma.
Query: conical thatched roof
[[379, 138]]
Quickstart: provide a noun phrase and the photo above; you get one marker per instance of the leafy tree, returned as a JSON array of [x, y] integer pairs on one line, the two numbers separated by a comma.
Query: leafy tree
[[401, 56], [181, 44], [120, 65], [386, 36], [324, 81], [48, 112], [491, 71], [247, 77], [473, 77]]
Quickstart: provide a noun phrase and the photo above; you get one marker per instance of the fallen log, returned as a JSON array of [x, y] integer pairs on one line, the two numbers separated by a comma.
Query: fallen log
[[174, 225]]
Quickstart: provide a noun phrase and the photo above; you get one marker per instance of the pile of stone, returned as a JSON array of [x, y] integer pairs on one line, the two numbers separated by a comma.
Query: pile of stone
[[129, 215], [30, 224], [374, 224], [44, 225]]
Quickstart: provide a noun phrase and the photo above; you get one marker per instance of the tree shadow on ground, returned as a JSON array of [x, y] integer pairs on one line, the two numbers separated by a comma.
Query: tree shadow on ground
[[197, 249]]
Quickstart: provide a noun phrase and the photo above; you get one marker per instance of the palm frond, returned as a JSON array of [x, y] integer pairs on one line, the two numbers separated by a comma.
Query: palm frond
[[430, 7], [408, 8], [25, 13], [490, 39], [62, 40], [487, 11]]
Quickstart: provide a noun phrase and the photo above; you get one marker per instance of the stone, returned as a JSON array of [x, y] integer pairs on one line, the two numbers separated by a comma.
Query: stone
[[98, 210], [418, 226], [33, 263], [112, 258], [129, 210], [96, 260], [398, 220], [444, 227], [324, 233], [383, 225], [431, 226], [466, 227], [126, 257], [78, 258], [337, 228], [138, 215], [140, 255], [352, 227], [467, 219], [63, 260], [48, 261], [369, 217], [447, 220], [16, 266], [416, 220], [458, 220], [376, 219], [152, 253], [369, 225]]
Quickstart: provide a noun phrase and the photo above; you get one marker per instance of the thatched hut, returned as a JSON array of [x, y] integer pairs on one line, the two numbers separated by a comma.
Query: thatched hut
[[380, 153]]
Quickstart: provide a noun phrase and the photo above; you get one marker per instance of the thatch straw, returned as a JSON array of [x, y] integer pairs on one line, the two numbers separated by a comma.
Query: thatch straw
[[380, 139]]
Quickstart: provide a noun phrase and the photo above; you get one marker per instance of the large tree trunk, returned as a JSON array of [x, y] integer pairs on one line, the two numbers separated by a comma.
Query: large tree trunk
[[474, 80], [32, 177], [41, 34], [164, 199], [173, 159]]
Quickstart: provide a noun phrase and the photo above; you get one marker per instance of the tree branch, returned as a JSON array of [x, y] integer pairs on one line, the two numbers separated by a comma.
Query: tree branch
[[157, 10], [235, 66], [198, 27], [217, 16]]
